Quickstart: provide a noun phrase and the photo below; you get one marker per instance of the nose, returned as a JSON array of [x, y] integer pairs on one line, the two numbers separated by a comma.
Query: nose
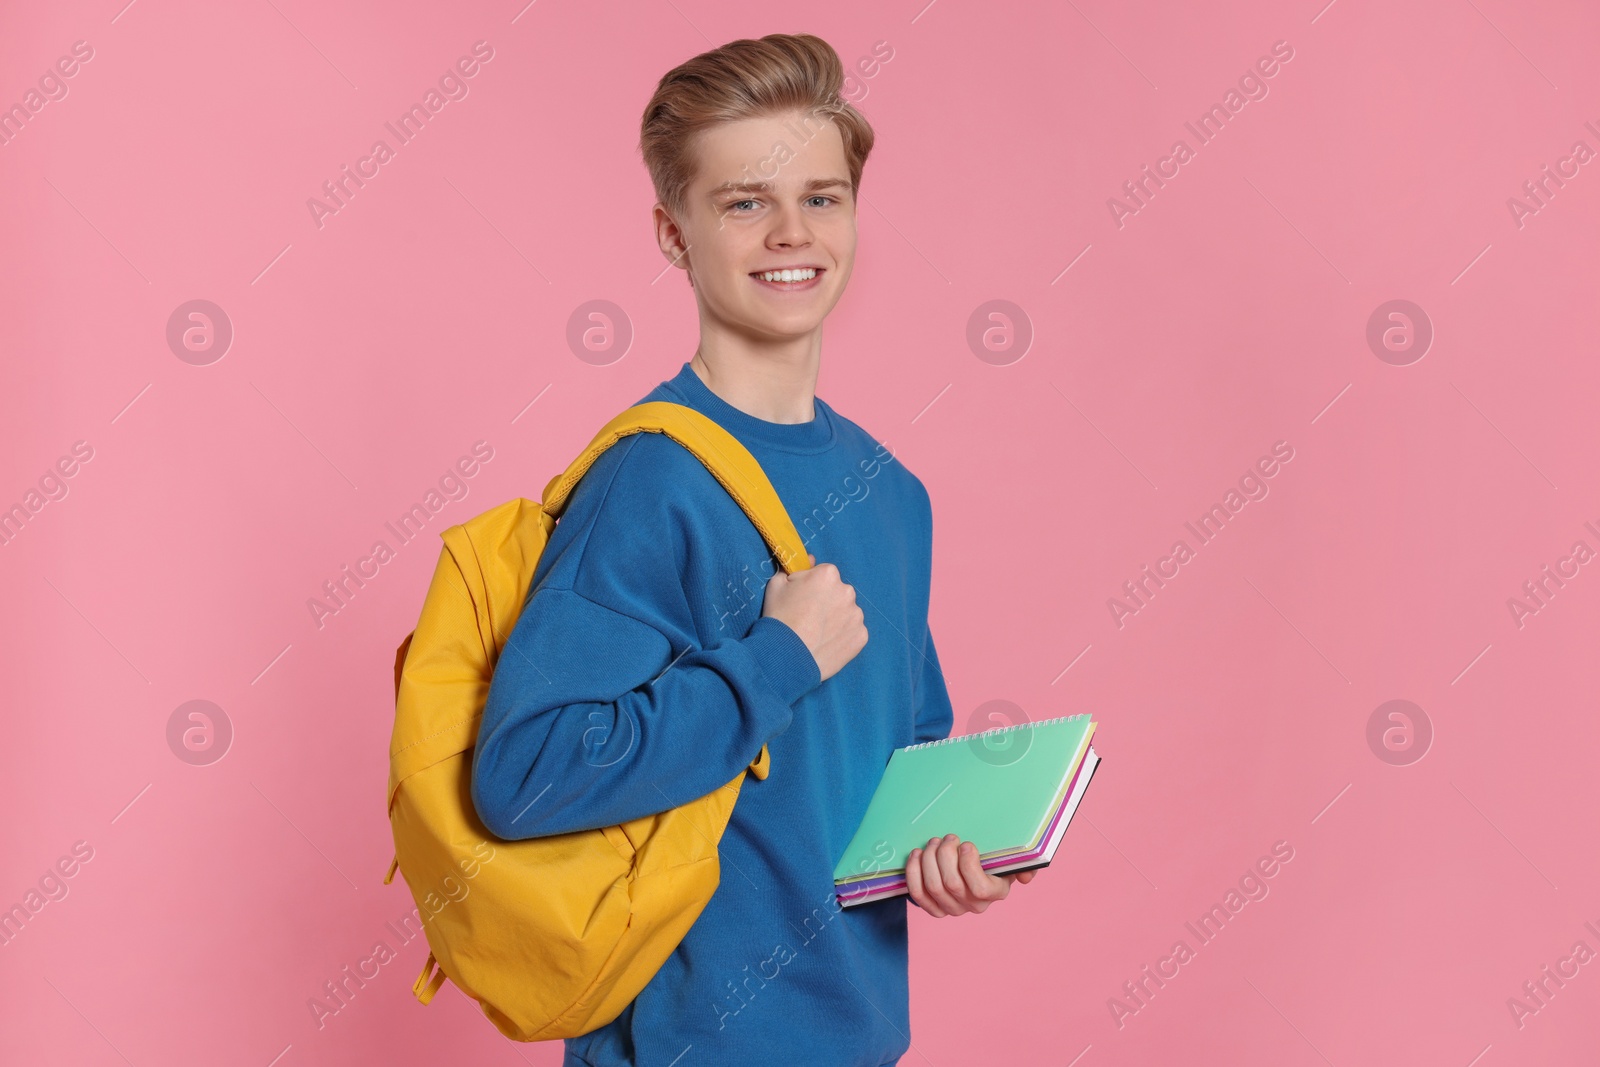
[[790, 229]]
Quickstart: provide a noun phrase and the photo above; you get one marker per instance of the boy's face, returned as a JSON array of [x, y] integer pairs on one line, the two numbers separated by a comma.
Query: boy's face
[[768, 194]]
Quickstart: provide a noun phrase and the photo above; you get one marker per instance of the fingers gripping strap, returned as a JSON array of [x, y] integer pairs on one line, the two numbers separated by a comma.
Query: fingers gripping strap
[[728, 461]]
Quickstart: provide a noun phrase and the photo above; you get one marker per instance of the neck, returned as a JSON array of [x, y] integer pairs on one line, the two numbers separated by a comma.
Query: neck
[[772, 382]]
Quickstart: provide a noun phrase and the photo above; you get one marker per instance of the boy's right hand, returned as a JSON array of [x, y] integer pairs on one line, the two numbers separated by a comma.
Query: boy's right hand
[[819, 606]]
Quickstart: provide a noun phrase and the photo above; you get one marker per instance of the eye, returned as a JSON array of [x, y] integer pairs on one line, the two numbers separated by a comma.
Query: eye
[[826, 200], [736, 203]]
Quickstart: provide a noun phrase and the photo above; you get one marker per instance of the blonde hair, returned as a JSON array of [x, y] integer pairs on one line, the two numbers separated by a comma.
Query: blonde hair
[[741, 80]]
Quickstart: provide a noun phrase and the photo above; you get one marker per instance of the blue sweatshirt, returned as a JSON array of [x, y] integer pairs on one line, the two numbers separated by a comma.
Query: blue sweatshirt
[[642, 675]]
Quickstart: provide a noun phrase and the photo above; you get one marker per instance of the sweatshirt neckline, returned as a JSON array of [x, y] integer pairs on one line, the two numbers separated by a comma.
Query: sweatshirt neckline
[[803, 437]]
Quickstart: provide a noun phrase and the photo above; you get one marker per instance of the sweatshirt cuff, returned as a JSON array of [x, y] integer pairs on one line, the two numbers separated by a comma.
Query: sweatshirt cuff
[[789, 667]]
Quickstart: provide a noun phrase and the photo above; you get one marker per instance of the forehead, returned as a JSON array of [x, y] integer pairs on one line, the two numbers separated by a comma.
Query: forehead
[[800, 148]]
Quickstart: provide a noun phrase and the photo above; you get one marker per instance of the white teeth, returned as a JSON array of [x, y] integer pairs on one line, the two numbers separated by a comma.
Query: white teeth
[[802, 275]]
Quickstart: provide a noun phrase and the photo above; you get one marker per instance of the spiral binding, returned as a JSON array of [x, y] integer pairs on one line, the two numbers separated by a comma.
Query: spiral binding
[[998, 730]]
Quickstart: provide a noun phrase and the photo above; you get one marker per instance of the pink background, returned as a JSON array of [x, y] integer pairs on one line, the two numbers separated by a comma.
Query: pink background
[[1229, 313]]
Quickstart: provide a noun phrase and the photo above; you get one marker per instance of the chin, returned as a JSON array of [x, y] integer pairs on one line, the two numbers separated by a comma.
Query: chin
[[784, 328]]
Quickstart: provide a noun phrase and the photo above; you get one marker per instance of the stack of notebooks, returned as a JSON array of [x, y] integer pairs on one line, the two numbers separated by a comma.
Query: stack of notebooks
[[1011, 791]]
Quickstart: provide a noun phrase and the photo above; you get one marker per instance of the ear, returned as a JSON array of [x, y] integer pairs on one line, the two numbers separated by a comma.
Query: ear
[[670, 237]]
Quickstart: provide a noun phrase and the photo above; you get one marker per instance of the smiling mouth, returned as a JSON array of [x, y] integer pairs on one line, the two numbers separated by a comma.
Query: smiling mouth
[[789, 280]]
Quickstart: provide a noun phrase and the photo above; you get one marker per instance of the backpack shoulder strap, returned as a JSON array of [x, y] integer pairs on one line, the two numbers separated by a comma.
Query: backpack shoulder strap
[[728, 461]]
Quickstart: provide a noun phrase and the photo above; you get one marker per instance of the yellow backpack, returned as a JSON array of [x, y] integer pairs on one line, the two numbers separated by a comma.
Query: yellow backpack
[[552, 936]]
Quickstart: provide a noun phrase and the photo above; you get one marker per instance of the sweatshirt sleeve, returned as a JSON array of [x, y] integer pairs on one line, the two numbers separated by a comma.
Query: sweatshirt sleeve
[[604, 706], [930, 698]]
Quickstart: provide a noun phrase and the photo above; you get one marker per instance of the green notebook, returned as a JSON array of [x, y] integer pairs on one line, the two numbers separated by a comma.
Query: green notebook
[[998, 789]]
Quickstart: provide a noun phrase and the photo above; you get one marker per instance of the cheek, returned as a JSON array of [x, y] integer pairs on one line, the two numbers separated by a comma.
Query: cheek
[[841, 243], [719, 258]]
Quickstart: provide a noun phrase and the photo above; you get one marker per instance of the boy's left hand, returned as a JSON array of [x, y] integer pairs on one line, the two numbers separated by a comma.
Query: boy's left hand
[[946, 878]]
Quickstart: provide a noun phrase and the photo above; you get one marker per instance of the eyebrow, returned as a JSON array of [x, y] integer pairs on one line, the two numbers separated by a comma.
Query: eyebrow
[[766, 187]]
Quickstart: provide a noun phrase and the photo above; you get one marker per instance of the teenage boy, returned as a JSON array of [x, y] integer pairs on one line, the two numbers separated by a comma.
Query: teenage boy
[[660, 646]]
